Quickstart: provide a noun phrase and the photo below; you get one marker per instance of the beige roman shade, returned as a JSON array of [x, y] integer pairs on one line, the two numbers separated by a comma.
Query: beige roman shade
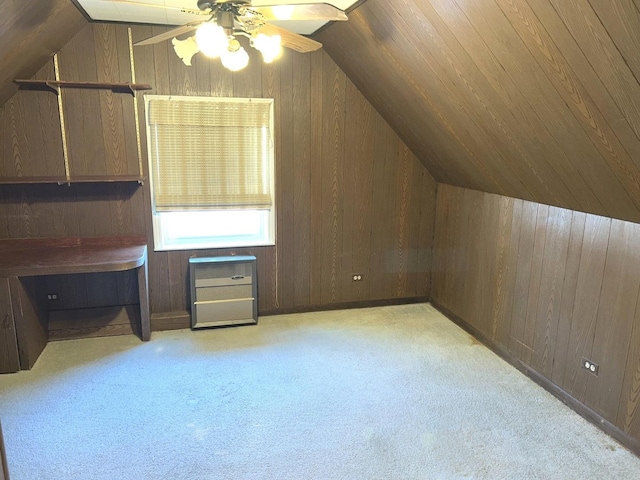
[[209, 153]]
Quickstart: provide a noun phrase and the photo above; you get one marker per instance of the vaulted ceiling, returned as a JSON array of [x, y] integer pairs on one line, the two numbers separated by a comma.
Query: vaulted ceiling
[[535, 99], [31, 31]]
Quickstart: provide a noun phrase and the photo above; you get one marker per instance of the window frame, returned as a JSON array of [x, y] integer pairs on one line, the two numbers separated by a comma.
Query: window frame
[[268, 222]]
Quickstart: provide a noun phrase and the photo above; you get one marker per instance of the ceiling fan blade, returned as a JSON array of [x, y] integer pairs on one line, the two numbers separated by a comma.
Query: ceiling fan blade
[[174, 32], [308, 11], [291, 40]]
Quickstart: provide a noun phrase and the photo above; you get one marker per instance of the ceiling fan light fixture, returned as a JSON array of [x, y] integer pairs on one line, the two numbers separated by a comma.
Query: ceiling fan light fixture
[[212, 40], [269, 45], [283, 12], [185, 49], [235, 60]]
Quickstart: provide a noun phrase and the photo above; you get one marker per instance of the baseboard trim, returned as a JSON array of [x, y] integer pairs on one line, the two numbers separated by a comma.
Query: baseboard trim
[[343, 306], [596, 419], [170, 321], [182, 319]]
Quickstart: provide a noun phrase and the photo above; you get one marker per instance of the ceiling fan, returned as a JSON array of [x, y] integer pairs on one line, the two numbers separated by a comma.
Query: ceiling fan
[[215, 35]]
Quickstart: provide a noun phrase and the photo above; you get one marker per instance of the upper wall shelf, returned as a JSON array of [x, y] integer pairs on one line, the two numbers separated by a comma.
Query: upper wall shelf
[[62, 180], [55, 85]]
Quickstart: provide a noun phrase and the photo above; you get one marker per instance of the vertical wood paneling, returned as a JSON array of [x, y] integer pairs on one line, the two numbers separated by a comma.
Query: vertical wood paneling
[[585, 308], [284, 101], [351, 196], [332, 182], [534, 285], [317, 93], [552, 276], [347, 287], [489, 230], [517, 342], [403, 198], [574, 295], [301, 175], [504, 274], [447, 248], [270, 262], [569, 286], [617, 305], [23, 140], [82, 109], [152, 68], [628, 418], [427, 197]]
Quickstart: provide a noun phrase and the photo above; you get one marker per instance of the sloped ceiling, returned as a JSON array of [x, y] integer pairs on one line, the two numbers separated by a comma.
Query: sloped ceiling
[[535, 99], [31, 31]]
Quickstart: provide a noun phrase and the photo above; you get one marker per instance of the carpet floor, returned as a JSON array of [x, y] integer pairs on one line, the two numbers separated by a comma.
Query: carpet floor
[[379, 393]]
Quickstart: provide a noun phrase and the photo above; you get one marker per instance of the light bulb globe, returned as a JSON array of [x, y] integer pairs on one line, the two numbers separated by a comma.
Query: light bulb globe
[[211, 40], [269, 46], [235, 61]]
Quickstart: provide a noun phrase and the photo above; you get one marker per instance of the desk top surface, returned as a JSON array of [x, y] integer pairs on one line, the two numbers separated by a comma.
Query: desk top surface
[[49, 256]]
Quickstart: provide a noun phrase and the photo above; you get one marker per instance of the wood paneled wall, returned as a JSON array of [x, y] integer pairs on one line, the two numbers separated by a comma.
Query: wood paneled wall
[[550, 286], [534, 99], [351, 197]]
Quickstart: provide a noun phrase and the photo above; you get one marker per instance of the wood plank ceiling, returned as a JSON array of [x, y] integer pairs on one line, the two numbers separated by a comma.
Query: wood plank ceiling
[[31, 31], [534, 99]]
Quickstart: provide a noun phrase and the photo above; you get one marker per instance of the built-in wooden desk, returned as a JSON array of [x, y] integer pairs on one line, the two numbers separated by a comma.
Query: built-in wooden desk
[[23, 309]]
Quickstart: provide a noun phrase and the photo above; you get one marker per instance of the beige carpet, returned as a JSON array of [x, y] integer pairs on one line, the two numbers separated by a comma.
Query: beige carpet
[[381, 393]]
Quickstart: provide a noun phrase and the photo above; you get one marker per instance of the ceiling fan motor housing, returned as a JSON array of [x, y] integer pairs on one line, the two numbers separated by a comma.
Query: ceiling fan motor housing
[[205, 5], [225, 19]]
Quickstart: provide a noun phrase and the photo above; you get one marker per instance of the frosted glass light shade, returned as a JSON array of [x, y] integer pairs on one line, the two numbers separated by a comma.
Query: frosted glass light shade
[[236, 60], [269, 46], [211, 40]]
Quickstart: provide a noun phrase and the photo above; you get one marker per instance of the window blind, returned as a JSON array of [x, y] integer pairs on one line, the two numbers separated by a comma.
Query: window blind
[[210, 153]]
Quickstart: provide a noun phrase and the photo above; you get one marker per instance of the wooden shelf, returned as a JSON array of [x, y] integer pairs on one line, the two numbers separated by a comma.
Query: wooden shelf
[[62, 180], [56, 84]]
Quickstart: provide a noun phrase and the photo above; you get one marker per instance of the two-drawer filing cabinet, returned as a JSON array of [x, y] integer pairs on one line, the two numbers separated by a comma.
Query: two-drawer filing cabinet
[[224, 291]]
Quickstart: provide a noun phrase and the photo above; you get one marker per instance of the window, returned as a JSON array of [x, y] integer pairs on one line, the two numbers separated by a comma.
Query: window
[[211, 164]]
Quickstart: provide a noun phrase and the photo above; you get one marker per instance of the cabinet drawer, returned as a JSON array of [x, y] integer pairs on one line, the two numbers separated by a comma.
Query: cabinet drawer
[[220, 282], [225, 312], [211, 275], [231, 292]]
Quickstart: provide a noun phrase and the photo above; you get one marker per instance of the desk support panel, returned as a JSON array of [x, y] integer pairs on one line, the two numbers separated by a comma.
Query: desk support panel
[[31, 318], [143, 293], [9, 358]]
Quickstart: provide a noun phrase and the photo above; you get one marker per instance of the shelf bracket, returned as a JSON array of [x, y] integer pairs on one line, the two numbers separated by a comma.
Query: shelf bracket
[[55, 88]]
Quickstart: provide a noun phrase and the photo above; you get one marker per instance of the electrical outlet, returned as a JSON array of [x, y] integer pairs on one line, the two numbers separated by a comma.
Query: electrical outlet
[[590, 366], [52, 296], [357, 277]]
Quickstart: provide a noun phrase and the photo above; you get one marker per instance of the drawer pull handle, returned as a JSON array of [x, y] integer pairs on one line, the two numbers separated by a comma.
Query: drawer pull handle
[[237, 277]]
